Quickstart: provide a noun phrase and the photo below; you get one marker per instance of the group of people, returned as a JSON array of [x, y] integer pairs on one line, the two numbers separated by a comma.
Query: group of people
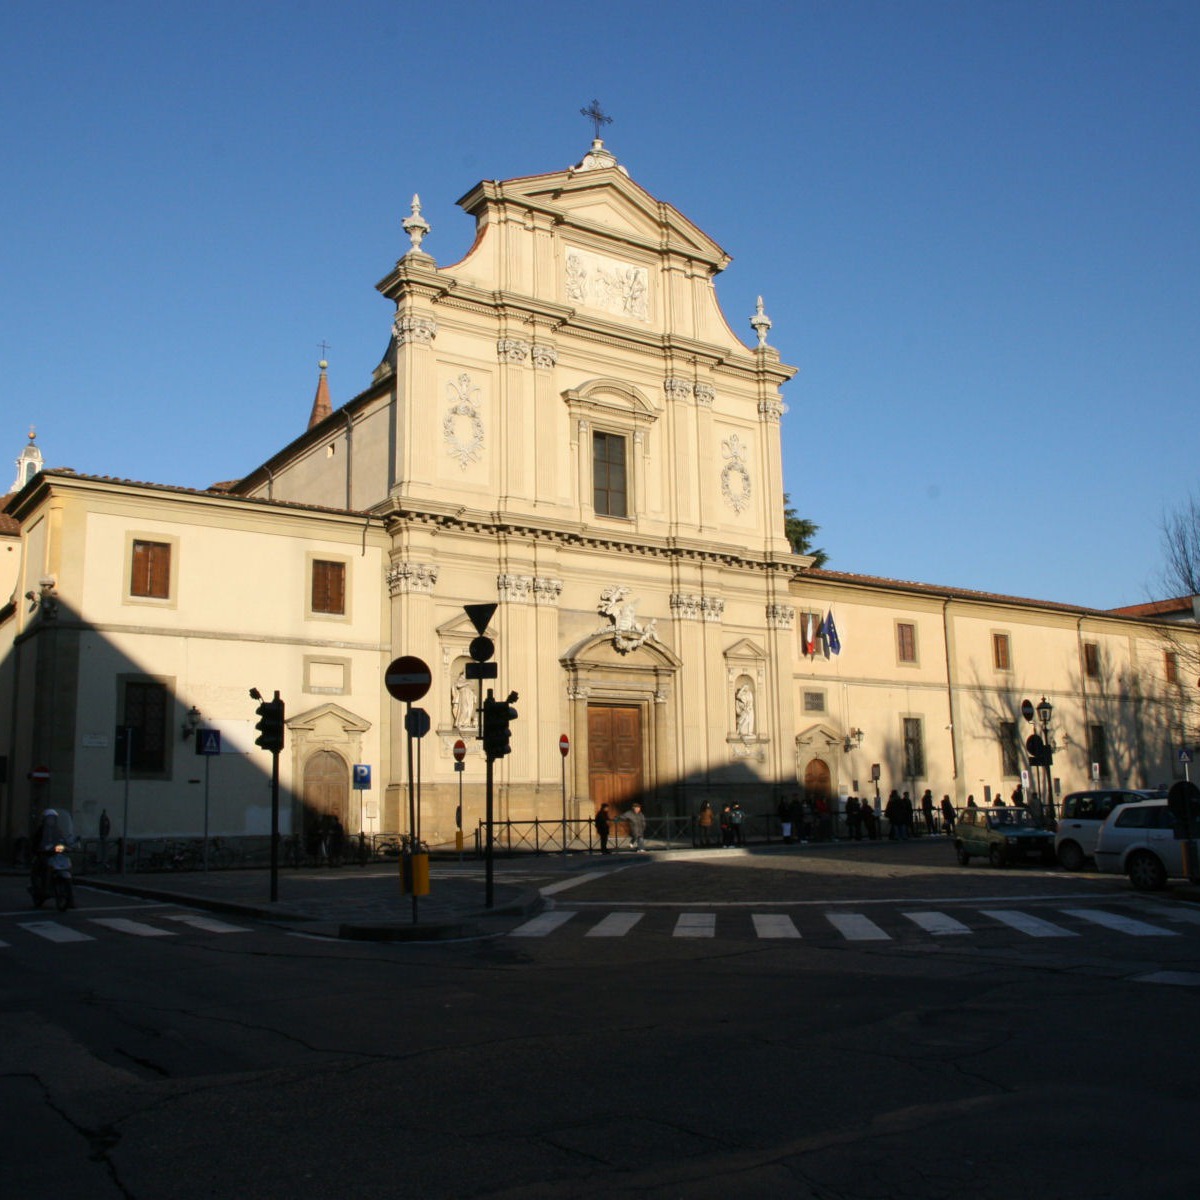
[[802, 820], [729, 821], [901, 815], [635, 821]]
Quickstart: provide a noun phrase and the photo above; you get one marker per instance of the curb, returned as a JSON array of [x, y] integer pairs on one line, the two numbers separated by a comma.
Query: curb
[[527, 903]]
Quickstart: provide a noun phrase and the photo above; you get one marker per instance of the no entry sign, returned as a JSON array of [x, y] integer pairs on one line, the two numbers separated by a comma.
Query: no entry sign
[[407, 678], [564, 745]]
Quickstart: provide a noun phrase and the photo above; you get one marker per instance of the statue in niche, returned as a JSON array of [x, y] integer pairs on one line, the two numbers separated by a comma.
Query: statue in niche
[[743, 703], [463, 702]]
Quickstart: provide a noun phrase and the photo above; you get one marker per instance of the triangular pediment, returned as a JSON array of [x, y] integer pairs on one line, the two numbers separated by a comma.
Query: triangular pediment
[[328, 717], [744, 648], [604, 203]]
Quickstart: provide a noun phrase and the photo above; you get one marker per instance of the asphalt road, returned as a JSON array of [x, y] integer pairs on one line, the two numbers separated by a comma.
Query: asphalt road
[[922, 1031]]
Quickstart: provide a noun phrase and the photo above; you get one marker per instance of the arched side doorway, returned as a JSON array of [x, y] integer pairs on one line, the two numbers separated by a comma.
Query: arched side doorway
[[326, 791], [817, 781]]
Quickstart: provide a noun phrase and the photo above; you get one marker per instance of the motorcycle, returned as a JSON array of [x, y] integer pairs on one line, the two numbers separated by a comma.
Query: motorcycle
[[51, 873]]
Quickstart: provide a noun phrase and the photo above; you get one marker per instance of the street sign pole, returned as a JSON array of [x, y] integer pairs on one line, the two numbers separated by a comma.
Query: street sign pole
[[564, 748], [412, 802], [207, 762]]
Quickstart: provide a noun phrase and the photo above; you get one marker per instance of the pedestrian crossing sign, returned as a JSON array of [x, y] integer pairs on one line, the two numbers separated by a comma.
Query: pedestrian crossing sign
[[208, 741]]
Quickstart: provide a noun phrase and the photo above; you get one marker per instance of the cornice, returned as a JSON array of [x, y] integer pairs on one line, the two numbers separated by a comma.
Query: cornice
[[570, 536]]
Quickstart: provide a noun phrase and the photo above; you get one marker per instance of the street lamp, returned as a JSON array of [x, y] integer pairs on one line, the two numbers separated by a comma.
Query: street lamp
[[191, 722], [1045, 710], [853, 738]]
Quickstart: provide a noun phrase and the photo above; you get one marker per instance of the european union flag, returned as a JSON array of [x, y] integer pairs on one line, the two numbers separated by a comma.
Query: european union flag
[[831, 635]]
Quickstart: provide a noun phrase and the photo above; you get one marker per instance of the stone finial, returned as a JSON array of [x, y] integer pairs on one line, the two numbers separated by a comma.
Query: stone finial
[[415, 225], [760, 323]]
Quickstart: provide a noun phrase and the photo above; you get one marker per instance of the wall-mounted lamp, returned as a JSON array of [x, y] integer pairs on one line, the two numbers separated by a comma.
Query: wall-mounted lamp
[[191, 722], [853, 739]]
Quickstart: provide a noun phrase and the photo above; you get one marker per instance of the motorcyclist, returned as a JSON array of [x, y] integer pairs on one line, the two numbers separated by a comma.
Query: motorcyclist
[[53, 829]]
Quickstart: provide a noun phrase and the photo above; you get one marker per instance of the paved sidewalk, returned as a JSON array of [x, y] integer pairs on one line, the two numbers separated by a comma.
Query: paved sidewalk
[[348, 902]]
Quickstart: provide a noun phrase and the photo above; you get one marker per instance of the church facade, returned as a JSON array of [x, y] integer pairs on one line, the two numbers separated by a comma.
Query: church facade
[[564, 425]]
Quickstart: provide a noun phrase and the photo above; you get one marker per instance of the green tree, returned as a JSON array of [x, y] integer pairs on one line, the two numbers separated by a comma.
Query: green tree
[[800, 532]]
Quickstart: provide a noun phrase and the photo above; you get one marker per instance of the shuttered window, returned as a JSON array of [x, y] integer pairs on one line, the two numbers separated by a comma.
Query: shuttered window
[[914, 749], [151, 574], [1001, 659], [906, 642], [328, 587]]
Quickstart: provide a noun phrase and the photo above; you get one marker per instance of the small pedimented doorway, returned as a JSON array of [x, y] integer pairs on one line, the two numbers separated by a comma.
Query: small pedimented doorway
[[326, 792], [817, 781]]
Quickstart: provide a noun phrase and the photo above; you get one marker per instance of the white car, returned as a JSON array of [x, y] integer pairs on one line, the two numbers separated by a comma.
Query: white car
[[1081, 816], [1139, 840]]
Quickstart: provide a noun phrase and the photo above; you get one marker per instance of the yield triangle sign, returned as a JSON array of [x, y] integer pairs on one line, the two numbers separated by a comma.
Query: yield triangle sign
[[480, 615]]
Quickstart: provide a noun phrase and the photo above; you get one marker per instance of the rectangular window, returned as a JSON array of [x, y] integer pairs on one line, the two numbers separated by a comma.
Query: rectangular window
[[1001, 659], [1171, 665], [814, 702], [151, 573], [328, 587], [1010, 748], [914, 749], [906, 642], [608, 475], [1091, 660], [145, 708], [1098, 745]]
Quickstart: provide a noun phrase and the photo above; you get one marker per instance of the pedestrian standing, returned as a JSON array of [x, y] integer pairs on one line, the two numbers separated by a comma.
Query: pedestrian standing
[[602, 826], [853, 819], [906, 817], [927, 812], [785, 820], [726, 826], [704, 823], [637, 827], [105, 830], [870, 821], [736, 817], [948, 816], [891, 811]]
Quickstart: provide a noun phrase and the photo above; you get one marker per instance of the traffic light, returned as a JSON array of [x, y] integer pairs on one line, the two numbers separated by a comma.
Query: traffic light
[[1040, 755], [270, 725], [497, 714]]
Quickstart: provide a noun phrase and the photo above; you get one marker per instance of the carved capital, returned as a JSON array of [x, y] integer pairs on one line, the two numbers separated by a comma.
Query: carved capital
[[407, 328], [705, 394], [512, 350], [771, 410], [678, 389], [405, 578], [515, 589], [547, 590], [780, 616], [544, 356]]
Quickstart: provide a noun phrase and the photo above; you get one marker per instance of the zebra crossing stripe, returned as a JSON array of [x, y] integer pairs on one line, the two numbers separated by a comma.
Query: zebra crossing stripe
[[1024, 923], [542, 924], [136, 928], [208, 924], [616, 924], [1122, 924], [937, 923], [774, 925], [854, 927], [695, 925], [52, 931]]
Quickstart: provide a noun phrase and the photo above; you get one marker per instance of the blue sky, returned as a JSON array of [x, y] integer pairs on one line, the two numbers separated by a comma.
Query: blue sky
[[974, 225]]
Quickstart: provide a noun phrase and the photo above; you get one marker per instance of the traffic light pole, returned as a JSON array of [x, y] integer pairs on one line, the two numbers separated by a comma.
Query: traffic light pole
[[489, 866], [274, 825]]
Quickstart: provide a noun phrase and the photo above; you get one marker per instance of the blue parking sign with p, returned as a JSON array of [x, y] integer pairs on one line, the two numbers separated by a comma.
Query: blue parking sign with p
[[362, 776]]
